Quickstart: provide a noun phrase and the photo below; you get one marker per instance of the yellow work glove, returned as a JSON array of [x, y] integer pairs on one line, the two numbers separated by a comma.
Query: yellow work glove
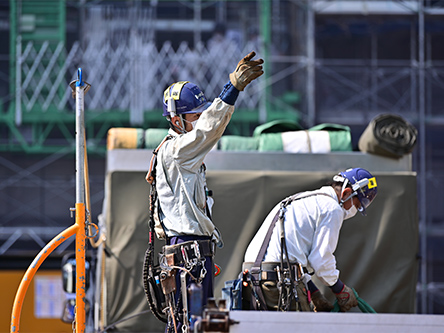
[[346, 299], [246, 71], [321, 304]]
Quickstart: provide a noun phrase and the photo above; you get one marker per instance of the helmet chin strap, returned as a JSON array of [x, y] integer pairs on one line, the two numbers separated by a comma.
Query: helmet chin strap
[[181, 127], [344, 185], [172, 111], [348, 198]]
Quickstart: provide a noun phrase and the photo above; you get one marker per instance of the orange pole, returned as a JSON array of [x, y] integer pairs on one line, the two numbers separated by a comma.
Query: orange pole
[[32, 269], [80, 269], [78, 229]]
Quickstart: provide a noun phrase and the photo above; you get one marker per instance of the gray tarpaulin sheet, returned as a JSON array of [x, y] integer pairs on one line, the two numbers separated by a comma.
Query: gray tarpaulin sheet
[[376, 254]]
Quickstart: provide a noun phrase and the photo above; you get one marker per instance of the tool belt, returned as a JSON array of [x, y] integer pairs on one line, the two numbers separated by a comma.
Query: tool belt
[[268, 270], [189, 251]]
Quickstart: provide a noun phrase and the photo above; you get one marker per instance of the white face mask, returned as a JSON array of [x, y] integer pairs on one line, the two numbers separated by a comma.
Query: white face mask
[[193, 123], [348, 214]]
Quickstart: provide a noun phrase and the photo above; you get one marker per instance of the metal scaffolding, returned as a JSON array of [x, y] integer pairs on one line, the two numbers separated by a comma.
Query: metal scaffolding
[[327, 62]]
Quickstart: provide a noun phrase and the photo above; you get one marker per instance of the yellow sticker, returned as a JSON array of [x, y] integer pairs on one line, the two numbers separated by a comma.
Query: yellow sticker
[[177, 88], [372, 183], [166, 93]]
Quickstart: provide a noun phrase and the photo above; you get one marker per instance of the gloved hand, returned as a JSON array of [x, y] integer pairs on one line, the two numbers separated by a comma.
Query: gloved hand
[[346, 299], [246, 71], [321, 304]]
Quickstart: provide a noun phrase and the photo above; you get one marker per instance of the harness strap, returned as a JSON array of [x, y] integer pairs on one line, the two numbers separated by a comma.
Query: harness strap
[[284, 203], [149, 280], [280, 215], [257, 296], [151, 176]]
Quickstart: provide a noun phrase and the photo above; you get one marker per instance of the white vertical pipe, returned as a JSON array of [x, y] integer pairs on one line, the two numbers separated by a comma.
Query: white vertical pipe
[[197, 22], [18, 82], [80, 142], [422, 161], [311, 109]]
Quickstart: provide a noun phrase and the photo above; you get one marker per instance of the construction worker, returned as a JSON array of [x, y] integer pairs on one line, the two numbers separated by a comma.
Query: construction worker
[[183, 208], [311, 222]]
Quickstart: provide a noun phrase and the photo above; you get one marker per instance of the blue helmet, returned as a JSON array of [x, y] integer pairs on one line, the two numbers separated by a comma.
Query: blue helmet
[[363, 184], [184, 97]]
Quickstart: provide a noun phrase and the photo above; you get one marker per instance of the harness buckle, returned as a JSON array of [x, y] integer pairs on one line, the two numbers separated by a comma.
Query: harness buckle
[[187, 262], [196, 249]]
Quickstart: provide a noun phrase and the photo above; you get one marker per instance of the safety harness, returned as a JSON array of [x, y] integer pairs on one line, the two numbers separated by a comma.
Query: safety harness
[[151, 270], [287, 275], [159, 279]]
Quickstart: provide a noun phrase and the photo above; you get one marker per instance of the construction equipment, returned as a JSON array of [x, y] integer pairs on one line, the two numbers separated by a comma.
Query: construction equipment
[[80, 229]]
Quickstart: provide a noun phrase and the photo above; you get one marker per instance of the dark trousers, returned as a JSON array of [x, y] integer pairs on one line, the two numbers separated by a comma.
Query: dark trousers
[[207, 282]]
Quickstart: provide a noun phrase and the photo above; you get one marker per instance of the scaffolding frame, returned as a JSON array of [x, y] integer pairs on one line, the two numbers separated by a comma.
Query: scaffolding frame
[[415, 102]]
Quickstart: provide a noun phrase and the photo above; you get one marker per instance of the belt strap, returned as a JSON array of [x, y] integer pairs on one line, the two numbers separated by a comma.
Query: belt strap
[[268, 270], [205, 248], [266, 265], [285, 202]]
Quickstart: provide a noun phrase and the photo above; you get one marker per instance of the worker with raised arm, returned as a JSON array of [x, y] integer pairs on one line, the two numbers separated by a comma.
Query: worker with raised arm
[[183, 205]]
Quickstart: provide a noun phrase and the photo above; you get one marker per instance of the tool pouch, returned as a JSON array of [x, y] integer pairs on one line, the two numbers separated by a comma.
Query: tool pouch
[[155, 288], [232, 293]]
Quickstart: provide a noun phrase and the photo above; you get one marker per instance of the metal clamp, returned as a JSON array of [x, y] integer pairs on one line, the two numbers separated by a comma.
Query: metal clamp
[[79, 83], [196, 250], [183, 287], [96, 228], [215, 318], [163, 263], [201, 259], [71, 211], [188, 263], [282, 211]]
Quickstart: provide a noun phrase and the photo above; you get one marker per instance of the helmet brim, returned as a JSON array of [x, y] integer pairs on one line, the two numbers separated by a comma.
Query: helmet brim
[[199, 109]]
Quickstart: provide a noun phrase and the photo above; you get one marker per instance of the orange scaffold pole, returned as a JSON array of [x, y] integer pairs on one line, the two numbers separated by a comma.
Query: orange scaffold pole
[[79, 88]]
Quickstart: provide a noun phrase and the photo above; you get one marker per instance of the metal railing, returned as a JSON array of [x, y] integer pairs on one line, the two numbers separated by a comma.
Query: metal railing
[[130, 77]]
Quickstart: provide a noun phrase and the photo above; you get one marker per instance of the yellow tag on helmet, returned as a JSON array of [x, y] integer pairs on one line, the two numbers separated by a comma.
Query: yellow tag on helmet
[[175, 88], [372, 183]]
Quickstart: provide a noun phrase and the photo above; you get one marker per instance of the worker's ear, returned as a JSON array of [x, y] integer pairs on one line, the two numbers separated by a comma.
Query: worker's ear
[[175, 120], [346, 193]]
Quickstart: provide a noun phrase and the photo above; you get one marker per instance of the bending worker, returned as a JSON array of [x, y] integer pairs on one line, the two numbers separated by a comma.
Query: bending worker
[[302, 233], [183, 208]]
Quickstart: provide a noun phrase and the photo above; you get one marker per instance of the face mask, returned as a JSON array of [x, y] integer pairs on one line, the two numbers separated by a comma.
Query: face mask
[[193, 123], [348, 214]]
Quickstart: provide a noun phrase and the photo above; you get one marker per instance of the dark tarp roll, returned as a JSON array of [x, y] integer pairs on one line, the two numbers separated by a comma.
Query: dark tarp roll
[[388, 135]]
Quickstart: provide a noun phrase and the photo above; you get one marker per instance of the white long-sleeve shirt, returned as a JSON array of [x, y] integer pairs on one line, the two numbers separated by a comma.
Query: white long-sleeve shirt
[[312, 228], [180, 179]]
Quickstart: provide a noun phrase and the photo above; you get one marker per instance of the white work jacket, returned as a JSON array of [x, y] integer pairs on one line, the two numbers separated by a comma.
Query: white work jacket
[[312, 228], [180, 175]]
